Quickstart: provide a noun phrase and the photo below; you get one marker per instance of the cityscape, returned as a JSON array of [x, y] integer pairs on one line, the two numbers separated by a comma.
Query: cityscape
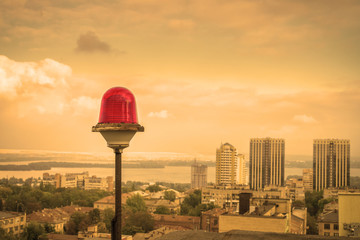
[[179, 120]]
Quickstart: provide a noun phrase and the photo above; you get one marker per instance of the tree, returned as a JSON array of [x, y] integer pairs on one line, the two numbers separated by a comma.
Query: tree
[[94, 216], [154, 188], [78, 222], [170, 195], [136, 203], [108, 216], [139, 222], [311, 223], [162, 210], [33, 231]]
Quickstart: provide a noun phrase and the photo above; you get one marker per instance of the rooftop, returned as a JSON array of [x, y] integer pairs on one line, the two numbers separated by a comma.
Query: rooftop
[[5, 215]]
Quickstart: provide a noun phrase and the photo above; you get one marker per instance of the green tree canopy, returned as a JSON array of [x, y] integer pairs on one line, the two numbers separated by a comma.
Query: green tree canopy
[[139, 222], [162, 210], [154, 188], [170, 195], [136, 203]]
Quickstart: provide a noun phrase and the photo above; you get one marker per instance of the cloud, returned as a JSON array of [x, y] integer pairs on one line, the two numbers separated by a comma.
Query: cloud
[[84, 103], [20, 78], [161, 114], [304, 119], [43, 87], [90, 42]]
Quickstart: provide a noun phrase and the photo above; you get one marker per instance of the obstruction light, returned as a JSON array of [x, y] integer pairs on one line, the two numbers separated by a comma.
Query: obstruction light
[[118, 121], [118, 106], [118, 125]]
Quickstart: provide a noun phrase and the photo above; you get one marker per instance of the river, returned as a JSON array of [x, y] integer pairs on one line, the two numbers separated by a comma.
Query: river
[[152, 175]]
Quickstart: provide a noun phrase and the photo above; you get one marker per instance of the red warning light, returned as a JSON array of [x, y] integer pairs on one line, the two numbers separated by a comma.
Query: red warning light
[[118, 106]]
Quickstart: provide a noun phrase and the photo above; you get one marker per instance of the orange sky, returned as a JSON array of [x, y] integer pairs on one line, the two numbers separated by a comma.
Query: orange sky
[[203, 72]]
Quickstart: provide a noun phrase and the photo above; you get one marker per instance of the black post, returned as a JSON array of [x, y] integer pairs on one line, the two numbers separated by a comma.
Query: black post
[[116, 223]]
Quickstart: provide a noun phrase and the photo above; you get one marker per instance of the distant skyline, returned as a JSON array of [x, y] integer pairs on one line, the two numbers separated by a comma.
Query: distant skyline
[[201, 74]]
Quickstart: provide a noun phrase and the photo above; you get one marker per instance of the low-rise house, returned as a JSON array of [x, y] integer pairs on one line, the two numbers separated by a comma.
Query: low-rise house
[[298, 221], [57, 217], [328, 223], [186, 222], [152, 204], [210, 219], [13, 222], [104, 203]]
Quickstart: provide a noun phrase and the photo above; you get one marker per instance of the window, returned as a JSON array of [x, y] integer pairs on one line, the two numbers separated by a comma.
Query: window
[[215, 222], [336, 234], [326, 226], [16, 228], [21, 226], [336, 226], [22, 219], [326, 234]]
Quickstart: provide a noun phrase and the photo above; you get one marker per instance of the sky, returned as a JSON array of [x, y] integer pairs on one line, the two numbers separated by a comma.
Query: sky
[[203, 72]]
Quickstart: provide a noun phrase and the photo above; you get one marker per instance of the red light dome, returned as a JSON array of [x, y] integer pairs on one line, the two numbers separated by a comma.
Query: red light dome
[[118, 106]]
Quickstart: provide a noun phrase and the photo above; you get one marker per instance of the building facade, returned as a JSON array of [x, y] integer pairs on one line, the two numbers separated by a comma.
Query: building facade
[[331, 163], [198, 175], [349, 214], [242, 170], [13, 222], [308, 180], [267, 162], [226, 165]]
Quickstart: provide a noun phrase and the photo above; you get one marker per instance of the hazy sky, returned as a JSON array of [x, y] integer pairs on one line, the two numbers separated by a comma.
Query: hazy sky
[[203, 72]]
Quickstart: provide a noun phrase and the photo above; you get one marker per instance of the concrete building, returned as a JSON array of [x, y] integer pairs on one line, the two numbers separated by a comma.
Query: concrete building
[[104, 203], [198, 175], [273, 215], [331, 163], [226, 165], [210, 219], [13, 222], [228, 197], [308, 179], [328, 223], [56, 217], [186, 222], [79, 180], [267, 162], [295, 188], [349, 214], [242, 170]]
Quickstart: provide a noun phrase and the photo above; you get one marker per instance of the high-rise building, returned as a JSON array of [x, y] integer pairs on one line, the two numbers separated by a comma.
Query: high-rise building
[[308, 179], [242, 170], [226, 165], [331, 163], [198, 175], [266, 162]]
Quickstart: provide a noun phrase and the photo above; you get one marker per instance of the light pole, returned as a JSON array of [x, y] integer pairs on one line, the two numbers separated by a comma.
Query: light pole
[[118, 124]]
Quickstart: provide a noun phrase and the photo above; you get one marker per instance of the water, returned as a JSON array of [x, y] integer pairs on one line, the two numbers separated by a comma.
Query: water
[[167, 174]]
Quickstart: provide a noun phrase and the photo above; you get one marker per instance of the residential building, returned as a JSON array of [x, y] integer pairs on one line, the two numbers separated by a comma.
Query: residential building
[[295, 189], [273, 215], [79, 180], [198, 175], [349, 214], [56, 217], [308, 180], [210, 219], [186, 222], [267, 162], [328, 223], [106, 202], [298, 221], [226, 165], [242, 170], [152, 204], [13, 222], [228, 197], [334, 192], [331, 163]]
